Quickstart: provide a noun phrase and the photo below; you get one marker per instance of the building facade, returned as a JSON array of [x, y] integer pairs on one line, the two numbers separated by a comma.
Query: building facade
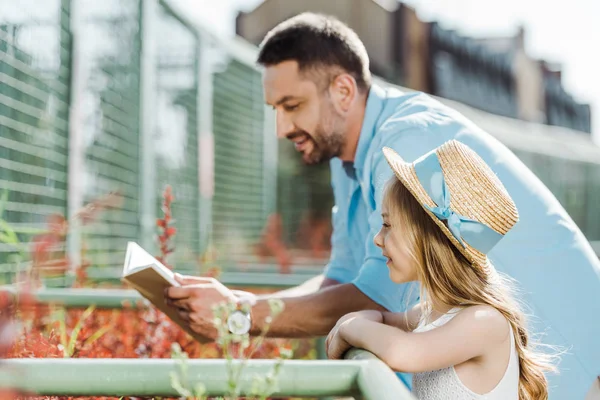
[[493, 74]]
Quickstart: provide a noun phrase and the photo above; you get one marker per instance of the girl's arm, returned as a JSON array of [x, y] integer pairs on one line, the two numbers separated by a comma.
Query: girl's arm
[[407, 321], [469, 334]]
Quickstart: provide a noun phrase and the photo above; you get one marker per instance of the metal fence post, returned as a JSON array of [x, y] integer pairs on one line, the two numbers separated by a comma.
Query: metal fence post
[[147, 195], [270, 159], [206, 147], [76, 152]]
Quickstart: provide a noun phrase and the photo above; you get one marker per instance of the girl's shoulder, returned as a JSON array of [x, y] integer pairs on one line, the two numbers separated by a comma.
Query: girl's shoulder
[[482, 311], [484, 319], [457, 336], [478, 318]]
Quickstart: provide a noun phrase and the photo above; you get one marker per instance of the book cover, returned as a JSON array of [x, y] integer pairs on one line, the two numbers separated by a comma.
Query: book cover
[[150, 278]]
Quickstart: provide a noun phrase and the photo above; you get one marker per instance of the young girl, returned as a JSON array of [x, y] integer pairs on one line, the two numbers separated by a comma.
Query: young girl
[[466, 339]]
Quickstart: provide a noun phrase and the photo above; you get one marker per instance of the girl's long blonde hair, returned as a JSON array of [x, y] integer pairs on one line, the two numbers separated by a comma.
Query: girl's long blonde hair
[[446, 275]]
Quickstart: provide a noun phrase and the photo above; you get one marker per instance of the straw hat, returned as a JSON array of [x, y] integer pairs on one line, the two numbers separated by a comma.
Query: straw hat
[[471, 205]]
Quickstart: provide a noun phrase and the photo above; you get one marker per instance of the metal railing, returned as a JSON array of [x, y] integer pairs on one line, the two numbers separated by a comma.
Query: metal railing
[[362, 376], [118, 298]]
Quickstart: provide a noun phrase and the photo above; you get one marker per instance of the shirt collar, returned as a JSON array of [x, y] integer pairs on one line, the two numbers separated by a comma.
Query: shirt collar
[[349, 169], [375, 102]]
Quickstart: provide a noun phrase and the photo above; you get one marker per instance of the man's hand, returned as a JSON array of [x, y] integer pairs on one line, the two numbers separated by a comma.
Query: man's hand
[[194, 301], [308, 315]]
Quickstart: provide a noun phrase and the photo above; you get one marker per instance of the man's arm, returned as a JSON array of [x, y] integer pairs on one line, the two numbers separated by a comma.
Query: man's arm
[[312, 314], [310, 286], [308, 311], [314, 307]]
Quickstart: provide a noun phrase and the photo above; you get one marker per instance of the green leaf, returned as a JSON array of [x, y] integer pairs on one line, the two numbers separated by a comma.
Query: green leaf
[[285, 353], [75, 333], [199, 391], [276, 306], [9, 236], [97, 335], [60, 316], [176, 384]]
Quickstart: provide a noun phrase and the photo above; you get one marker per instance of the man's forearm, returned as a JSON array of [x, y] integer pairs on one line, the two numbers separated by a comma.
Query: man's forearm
[[310, 286], [312, 314]]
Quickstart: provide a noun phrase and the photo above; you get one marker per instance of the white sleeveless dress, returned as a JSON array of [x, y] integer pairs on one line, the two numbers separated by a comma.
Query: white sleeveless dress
[[445, 384]]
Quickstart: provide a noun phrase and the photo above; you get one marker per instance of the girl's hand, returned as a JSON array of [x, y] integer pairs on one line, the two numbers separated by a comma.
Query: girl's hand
[[336, 344], [372, 315]]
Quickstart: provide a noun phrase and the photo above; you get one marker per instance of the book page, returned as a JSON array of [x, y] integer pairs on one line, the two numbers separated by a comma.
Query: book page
[[137, 259]]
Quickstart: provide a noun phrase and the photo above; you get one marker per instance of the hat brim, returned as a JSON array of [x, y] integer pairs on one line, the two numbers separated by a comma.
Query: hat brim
[[405, 172]]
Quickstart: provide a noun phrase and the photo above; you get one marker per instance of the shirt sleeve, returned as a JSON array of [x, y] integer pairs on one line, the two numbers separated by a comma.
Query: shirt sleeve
[[373, 278]]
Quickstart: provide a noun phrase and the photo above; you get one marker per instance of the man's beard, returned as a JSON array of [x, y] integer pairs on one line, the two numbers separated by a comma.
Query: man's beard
[[328, 139], [325, 147]]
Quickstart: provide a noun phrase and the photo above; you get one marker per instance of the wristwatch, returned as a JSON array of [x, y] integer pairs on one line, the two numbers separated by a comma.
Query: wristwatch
[[239, 321]]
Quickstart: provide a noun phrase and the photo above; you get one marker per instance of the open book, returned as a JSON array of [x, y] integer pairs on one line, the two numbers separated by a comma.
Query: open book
[[150, 277]]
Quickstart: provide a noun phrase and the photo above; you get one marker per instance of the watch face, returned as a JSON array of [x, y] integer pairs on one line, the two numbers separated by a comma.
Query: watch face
[[238, 323]]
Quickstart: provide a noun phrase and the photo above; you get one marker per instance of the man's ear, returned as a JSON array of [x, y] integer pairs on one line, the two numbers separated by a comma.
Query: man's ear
[[343, 90]]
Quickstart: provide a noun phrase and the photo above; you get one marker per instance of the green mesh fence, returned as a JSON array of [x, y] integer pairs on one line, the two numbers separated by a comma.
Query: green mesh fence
[[89, 107], [99, 147], [593, 200], [107, 84], [238, 120], [34, 104], [304, 201], [176, 132]]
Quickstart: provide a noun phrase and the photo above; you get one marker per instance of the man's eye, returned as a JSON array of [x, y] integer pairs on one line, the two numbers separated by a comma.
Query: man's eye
[[290, 108]]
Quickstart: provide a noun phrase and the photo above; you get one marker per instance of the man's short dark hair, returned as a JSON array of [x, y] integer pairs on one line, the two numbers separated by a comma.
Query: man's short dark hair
[[316, 41]]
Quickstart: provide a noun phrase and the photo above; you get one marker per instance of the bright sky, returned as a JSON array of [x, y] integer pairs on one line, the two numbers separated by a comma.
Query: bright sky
[[564, 32]]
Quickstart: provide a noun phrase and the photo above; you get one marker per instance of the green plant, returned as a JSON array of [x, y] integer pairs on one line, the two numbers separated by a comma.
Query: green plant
[[237, 350], [9, 236], [68, 341]]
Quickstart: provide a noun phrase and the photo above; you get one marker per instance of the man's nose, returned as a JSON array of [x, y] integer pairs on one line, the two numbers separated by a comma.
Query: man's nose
[[284, 125]]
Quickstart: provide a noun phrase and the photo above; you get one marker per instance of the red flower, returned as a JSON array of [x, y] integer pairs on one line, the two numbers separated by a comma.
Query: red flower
[[90, 211], [57, 225]]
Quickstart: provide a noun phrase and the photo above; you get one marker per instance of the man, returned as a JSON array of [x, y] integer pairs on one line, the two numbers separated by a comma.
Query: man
[[317, 79]]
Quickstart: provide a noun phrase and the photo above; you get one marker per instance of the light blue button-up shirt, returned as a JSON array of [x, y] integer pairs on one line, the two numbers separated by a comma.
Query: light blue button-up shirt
[[558, 273]]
